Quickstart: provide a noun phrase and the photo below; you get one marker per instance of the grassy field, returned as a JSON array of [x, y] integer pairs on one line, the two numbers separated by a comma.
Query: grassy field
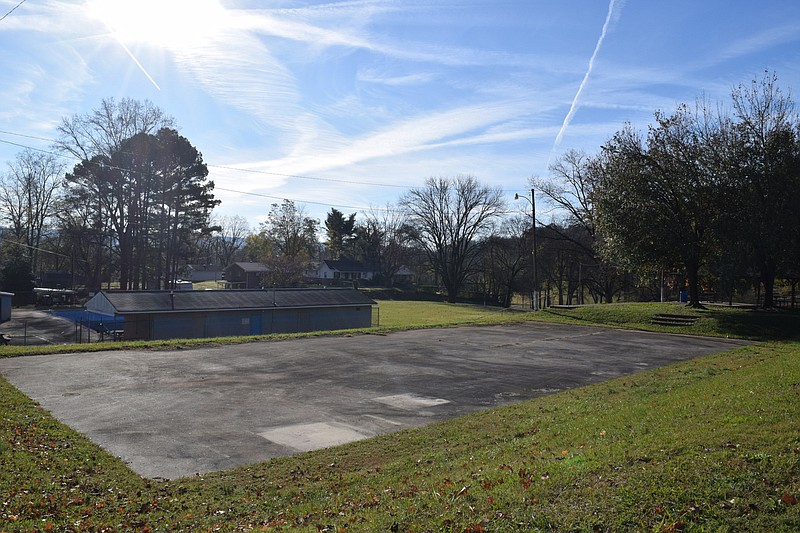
[[401, 315], [711, 444]]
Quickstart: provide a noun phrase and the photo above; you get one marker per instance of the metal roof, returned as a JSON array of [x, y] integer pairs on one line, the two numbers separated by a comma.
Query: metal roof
[[348, 265], [251, 267], [137, 302]]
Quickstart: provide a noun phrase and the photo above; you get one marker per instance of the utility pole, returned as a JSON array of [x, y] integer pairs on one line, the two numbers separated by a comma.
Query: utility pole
[[535, 291]]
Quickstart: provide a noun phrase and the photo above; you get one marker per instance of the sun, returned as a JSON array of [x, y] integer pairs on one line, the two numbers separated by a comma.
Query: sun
[[168, 24]]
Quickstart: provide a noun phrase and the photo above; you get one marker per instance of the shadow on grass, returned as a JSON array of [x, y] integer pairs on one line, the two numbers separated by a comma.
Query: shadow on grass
[[758, 324], [737, 322]]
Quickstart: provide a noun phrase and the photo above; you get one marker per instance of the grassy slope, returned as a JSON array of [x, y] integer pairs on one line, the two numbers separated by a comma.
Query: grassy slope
[[710, 444]]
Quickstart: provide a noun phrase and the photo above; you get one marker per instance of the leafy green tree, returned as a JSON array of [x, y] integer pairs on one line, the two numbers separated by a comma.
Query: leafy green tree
[[289, 238], [339, 230], [148, 197], [16, 273], [765, 173], [657, 200], [98, 195]]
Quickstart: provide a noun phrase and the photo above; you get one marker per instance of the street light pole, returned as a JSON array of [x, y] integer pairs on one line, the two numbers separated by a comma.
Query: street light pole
[[535, 292]]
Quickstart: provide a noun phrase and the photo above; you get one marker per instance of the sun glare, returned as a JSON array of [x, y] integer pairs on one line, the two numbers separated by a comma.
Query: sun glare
[[171, 24]]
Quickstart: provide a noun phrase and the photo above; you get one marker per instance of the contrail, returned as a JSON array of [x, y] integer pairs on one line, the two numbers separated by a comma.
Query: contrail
[[574, 107], [133, 57], [149, 77]]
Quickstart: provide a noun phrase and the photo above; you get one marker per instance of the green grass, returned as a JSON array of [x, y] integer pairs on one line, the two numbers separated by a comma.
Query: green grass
[[712, 321], [400, 314], [403, 315], [712, 444]]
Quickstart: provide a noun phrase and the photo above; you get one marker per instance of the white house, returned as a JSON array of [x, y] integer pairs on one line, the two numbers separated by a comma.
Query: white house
[[344, 270]]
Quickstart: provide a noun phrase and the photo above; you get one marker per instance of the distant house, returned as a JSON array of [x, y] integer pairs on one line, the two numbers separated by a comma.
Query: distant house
[[344, 270], [48, 297], [199, 273], [347, 270], [149, 315], [245, 275], [55, 279], [403, 277]]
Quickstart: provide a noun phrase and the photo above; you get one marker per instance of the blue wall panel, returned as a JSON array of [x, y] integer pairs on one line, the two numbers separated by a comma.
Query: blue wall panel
[[259, 322]]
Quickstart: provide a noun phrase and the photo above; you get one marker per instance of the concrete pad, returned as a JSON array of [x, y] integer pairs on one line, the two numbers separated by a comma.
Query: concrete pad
[[176, 413], [307, 437], [409, 402]]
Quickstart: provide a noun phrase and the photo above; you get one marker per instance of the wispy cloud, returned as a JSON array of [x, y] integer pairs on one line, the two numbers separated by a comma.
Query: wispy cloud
[[462, 126], [763, 40]]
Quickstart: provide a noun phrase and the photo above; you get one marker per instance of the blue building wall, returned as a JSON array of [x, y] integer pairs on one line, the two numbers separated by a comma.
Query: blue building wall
[[242, 323]]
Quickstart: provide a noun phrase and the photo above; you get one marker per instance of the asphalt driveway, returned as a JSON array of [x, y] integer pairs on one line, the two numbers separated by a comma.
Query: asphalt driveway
[[177, 413]]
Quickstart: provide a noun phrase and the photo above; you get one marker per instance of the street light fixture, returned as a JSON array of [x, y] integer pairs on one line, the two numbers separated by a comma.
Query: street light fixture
[[534, 292]]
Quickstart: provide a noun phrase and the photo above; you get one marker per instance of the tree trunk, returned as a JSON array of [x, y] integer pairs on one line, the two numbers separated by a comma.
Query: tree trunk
[[768, 270], [692, 273], [451, 296]]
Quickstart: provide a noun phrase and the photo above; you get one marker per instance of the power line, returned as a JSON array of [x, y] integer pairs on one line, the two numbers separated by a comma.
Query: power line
[[27, 136], [235, 169], [324, 204], [12, 10], [42, 250], [251, 171], [351, 182], [29, 147], [112, 167]]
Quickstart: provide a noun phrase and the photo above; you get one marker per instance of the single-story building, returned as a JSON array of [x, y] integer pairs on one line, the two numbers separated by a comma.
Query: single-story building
[[330, 271], [5, 306], [198, 273], [344, 270], [147, 315], [404, 277], [245, 275], [47, 297]]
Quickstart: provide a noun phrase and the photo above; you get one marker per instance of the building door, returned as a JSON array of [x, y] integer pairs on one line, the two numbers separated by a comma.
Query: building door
[[256, 324]]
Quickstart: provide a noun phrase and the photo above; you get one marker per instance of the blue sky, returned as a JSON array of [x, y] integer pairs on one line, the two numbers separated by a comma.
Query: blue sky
[[348, 104]]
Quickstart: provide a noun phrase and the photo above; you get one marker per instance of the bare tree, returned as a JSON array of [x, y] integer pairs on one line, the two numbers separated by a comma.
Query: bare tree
[[448, 215], [382, 241], [229, 238], [29, 194], [571, 189], [504, 253], [104, 130]]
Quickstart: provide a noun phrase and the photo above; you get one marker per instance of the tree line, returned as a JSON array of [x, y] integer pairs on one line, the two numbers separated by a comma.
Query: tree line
[[706, 196]]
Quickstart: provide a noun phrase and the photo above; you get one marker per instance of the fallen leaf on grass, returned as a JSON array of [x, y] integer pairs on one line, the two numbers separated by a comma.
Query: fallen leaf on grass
[[675, 527], [789, 499]]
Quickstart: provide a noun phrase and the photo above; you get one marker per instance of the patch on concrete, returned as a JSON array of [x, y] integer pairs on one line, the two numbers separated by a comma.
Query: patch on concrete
[[545, 391], [308, 437], [410, 402]]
